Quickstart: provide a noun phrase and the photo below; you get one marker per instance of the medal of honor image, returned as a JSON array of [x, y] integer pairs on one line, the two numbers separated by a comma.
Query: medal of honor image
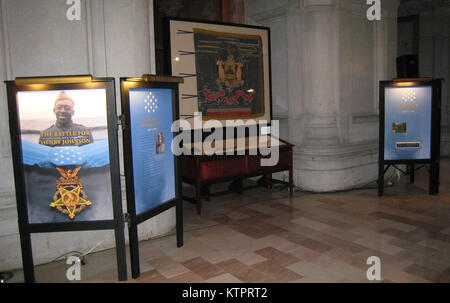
[[70, 197]]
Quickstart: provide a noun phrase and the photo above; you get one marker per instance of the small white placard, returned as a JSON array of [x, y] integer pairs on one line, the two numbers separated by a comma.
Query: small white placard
[[265, 130]]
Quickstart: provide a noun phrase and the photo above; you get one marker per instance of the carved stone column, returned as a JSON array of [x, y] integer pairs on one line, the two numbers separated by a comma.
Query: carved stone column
[[320, 72], [344, 57], [334, 58]]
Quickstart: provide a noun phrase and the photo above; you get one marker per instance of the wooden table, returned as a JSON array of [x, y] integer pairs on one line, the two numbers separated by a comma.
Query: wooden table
[[202, 167]]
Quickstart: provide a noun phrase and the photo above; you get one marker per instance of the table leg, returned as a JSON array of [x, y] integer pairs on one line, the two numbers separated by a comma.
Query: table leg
[[291, 181], [291, 172], [198, 192], [198, 199], [269, 181], [412, 169], [206, 192], [236, 186]]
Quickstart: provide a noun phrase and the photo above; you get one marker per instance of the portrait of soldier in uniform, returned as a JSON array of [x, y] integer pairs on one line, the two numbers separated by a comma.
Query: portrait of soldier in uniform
[[160, 144], [65, 153], [64, 132]]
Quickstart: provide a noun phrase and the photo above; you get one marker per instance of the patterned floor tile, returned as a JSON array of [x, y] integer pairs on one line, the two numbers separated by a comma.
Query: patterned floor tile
[[275, 272], [423, 272], [242, 272], [168, 267], [249, 258], [202, 268], [310, 223], [263, 236], [315, 245], [277, 256], [224, 278]]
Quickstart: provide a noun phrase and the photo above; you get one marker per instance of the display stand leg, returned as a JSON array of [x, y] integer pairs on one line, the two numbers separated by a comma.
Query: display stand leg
[[434, 178], [380, 180], [134, 251], [27, 257], [412, 170], [179, 219], [121, 254]]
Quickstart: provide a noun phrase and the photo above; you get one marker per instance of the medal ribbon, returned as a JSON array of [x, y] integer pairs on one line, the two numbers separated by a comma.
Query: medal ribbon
[[87, 156]]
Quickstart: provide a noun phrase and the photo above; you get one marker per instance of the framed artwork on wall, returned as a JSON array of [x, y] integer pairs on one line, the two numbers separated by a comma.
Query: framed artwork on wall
[[226, 70]]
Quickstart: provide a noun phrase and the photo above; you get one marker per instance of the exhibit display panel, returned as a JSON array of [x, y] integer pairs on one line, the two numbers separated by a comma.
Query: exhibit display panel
[[408, 122], [151, 120], [410, 125], [226, 68], [65, 153], [66, 165], [149, 108]]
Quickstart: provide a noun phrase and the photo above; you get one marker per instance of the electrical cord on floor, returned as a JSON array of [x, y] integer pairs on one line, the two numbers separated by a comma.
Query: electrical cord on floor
[[73, 252], [76, 253], [5, 276], [90, 250]]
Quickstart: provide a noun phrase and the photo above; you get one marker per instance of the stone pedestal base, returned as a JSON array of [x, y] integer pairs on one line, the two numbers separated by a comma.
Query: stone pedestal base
[[335, 167]]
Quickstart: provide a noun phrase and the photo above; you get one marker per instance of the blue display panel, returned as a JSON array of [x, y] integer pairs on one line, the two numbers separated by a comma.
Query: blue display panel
[[407, 128], [153, 160]]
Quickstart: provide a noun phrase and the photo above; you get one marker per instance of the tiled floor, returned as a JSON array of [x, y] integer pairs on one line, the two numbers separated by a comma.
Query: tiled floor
[[263, 236]]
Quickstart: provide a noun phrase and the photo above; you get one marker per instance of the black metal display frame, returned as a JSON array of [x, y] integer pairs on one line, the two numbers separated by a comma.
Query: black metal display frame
[[25, 227], [434, 159], [147, 81]]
